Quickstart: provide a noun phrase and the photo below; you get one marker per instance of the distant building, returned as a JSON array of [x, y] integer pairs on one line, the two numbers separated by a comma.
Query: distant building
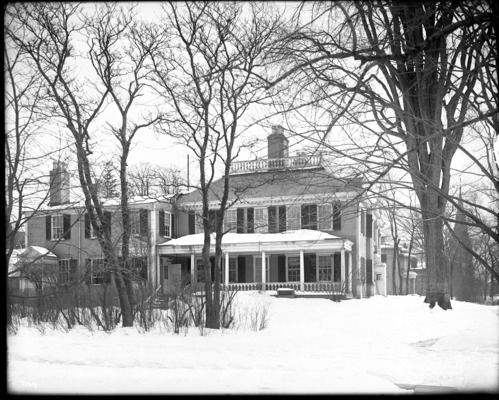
[[397, 270]]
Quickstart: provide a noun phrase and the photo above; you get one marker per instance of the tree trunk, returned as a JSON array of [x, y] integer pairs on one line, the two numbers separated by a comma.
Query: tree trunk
[[437, 282]]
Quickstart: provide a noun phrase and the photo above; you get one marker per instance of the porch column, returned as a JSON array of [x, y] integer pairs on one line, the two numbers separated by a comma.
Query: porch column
[[350, 272], [342, 279], [302, 272], [264, 267], [193, 269], [226, 268]]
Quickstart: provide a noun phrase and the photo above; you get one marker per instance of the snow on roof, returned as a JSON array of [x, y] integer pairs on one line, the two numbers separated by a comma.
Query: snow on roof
[[42, 251], [235, 238]]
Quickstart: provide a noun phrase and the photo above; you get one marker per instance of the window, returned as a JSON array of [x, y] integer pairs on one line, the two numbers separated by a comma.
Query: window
[[67, 271], [96, 271], [138, 266], [134, 223], [324, 222], [232, 270], [293, 269], [379, 277], [309, 216], [336, 216], [277, 219], [293, 218], [199, 270], [199, 224], [383, 258], [261, 220], [258, 269], [57, 227], [165, 224], [325, 268], [230, 220]]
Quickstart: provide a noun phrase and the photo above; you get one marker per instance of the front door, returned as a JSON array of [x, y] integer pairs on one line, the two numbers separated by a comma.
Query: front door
[[171, 275]]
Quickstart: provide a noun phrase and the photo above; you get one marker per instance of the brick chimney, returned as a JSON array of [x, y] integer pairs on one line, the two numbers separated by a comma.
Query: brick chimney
[[59, 184], [277, 143]]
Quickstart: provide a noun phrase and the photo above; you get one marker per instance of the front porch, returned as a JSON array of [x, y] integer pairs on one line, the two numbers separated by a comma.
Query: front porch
[[306, 261]]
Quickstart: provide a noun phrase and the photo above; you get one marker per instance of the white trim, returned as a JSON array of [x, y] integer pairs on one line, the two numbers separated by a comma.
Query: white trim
[[278, 200]]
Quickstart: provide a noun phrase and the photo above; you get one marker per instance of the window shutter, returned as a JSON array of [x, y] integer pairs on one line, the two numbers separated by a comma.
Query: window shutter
[[369, 225], [272, 219], [282, 220], [87, 226], [240, 220], [241, 269], [67, 226], [192, 223], [173, 231], [88, 271], [48, 227], [281, 268], [161, 223], [143, 222], [73, 270], [336, 217], [250, 212], [369, 271]]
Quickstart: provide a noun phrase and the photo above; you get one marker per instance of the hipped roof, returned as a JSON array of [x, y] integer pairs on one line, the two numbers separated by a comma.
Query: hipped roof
[[278, 183]]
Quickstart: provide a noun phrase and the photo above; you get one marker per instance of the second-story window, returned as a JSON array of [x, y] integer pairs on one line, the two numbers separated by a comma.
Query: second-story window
[[135, 223], [230, 220], [58, 226], [166, 224], [309, 216], [293, 218], [261, 220], [324, 220]]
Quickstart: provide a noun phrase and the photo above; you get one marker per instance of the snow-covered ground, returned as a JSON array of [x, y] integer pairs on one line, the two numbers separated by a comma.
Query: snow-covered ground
[[309, 346]]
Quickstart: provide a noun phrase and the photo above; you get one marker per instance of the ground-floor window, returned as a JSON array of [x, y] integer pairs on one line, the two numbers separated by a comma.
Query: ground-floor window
[[325, 268], [293, 269], [258, 269], [97, 271], [64, 271], [232, 270]]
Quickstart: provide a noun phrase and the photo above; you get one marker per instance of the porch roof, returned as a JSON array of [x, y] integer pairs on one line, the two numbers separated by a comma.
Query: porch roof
[[289, 241]]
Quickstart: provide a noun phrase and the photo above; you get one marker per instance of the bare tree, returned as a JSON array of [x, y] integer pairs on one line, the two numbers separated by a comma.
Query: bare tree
[[146, 179], [407, 73], [50, 35], [206, 69]]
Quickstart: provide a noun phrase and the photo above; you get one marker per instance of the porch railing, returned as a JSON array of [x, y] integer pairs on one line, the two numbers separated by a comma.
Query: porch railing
[[328, 287]]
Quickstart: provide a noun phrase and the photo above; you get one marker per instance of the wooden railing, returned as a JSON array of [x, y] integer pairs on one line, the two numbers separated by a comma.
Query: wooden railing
[[328, 287], [276, 163]]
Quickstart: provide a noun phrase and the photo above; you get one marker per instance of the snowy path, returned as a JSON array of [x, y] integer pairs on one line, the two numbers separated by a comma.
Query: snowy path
[[309, 346]]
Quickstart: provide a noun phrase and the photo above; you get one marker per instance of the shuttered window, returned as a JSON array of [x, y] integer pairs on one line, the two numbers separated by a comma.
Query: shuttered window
[[58, 227]]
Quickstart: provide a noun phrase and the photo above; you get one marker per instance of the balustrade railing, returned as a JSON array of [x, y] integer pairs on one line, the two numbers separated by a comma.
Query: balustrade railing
[[334, 287], [276, 163]]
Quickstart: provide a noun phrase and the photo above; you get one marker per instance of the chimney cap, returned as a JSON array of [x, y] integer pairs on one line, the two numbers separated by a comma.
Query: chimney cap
[[277, 129]]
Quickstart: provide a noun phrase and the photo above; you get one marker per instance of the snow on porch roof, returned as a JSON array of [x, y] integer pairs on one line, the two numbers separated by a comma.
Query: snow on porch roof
[[252, 240]]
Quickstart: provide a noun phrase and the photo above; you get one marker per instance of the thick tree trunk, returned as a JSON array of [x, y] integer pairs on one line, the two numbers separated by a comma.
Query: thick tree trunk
[[437, 282]]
